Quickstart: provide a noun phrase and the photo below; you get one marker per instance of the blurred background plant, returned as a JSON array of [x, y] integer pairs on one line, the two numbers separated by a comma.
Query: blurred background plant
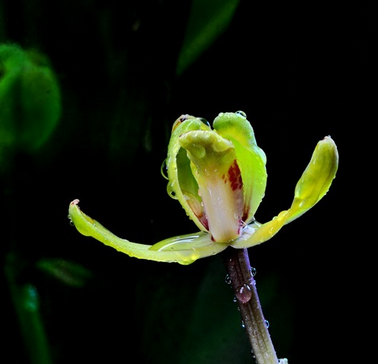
[[119, 74]]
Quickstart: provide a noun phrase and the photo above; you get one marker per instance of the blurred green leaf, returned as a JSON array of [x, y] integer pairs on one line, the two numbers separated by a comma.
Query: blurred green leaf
[[26, 301], [30, 103], [207, 21], [70, 273]]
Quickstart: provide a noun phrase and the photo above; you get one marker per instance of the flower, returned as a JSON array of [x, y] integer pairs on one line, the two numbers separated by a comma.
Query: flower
[[218, 175]]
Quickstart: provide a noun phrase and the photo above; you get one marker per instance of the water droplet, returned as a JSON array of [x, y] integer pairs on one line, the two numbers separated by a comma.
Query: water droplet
[[241, 113], [234, 299], [253, 271], [282, 361], [198, 151], [227, 279], [244, 293], [163, 169], [271, 230], [267, 323], [71, 222], [242, 324], [205, 122], [171, 192]]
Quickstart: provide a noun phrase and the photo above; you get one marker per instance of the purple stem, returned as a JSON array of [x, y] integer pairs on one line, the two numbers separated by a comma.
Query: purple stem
[[244, 286]]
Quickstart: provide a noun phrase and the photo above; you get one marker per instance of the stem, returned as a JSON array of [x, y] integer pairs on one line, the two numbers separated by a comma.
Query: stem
[[26, 302], [244, 287]]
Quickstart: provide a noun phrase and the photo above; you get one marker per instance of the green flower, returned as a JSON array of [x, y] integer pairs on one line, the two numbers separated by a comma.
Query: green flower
[[219, 177]]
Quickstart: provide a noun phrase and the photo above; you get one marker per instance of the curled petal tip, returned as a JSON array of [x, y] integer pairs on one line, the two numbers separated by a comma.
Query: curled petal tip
[[181, 249], [316, 179], [312, 186]]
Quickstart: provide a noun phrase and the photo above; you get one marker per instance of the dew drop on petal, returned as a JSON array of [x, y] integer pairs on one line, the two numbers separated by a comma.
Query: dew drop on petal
[[163, 170], [198, 151], [267, 323], [241, 113], [253, 271], [171, 192], [244, 293], [205, 121], [71, 222]]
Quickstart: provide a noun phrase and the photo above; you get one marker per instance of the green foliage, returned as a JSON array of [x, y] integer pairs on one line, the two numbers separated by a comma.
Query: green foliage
[[207, 21], [69, 273], [30, 104], [27, 305]]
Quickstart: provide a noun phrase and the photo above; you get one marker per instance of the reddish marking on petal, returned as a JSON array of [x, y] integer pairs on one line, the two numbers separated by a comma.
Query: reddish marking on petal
[[197, 209], [245, 213], [234, 176], [201, 216], [204, 222]]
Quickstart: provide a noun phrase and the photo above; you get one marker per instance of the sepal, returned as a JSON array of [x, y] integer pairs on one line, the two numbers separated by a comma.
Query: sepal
[[311, 187], [184, 249]]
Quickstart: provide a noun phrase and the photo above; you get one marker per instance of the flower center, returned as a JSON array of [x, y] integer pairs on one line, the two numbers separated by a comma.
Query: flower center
[[220, 186]]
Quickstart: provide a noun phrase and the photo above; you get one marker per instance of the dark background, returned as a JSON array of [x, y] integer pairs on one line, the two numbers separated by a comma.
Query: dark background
[[299, 73]]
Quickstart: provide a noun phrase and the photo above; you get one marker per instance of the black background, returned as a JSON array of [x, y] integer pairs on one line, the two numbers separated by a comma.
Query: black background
[[299, 72]]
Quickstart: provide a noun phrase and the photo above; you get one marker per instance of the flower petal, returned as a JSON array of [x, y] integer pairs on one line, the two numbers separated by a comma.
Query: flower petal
[[184, 249], [312, 186], [251, 159], [316, 179], [256, 233], [215, 168], [182, 184]]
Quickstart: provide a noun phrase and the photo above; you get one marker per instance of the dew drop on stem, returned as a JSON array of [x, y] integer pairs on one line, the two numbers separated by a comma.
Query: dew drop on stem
[[243, 293], [227, 279]]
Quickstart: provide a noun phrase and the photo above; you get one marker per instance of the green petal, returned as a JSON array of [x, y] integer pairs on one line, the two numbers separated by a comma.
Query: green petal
[[182, 184], [184, 249], [251, 159], [316, 179], [219, 181], [312, 186], [257, 233]]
